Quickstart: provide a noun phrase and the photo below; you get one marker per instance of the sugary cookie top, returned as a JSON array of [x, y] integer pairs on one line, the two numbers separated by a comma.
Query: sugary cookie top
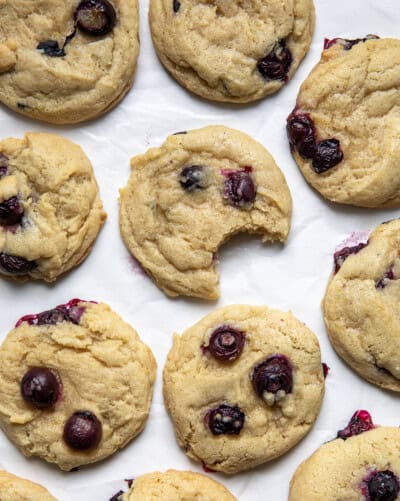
[[14, 488]]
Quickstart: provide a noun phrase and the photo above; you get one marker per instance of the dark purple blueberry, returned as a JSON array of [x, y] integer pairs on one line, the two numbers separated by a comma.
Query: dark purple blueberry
[[41, 387], [327, 155], [225, 420], [15, 265], [239, 187], [69, 312], [51, 48], [273, 378], [387, 276], [117, 496], [383, 486], [193, 178], [326, 369], [276, 65], [346, 43], [360, 421], [52, 317], [176, 5], [301, 133], [82, 431], [95, 17], [340, 256], [226, 343], [11, 212], [3, 165]]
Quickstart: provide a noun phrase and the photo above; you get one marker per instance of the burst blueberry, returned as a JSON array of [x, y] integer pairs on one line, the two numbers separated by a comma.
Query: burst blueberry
[[11, 212], [341, 255], [15, 265], [225, 420], [239, 187], [273, 378], [301, 133], [276, 64], [327, 155], [95, 17], [193, 178], [226, 343], [360, 421], [41, 387]]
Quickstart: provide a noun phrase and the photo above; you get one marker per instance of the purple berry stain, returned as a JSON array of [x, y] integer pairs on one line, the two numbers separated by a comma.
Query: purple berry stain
[[41, 387], [381, 485], [193, 178], [82, 431], [226, 343], [276, 64], [346, 43], [239, 187], [386, 278], [95, 17], [327, 155], [225, 420], [11, 212], [340, 256], [273, 378], [360, 421], [325, 369]]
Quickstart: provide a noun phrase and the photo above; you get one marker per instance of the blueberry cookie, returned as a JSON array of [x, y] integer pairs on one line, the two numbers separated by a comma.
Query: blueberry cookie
[[365, 467], [65, 61], [175, 486], [50, 210], [232, 51], [76, 384], [362, 305], [186, 198], [14, 488], [243, 386], [345, 129]]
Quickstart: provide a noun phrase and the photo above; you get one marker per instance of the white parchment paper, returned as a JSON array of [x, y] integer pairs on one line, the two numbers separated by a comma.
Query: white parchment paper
[[292, 277]]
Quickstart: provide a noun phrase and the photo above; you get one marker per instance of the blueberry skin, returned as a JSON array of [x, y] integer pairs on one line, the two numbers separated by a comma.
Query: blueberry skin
[[41, 387]]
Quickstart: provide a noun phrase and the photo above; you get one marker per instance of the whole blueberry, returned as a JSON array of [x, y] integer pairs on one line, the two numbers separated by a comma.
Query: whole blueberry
[[327, 155], [273, 378], [15, 265], [82, 431], [276, 64], [239, 188], [95, 17], [301, 133], [193, 178], [225, 420], [11, 212], [41, 387], [226, 343], [383, 486]]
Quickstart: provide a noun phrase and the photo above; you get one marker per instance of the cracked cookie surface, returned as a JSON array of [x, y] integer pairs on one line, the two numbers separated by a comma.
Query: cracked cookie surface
[[232, 51], [352, 97], [85, 77], [186, 198], [13, 488], [50, 210], [342, 469], [175, 485], [103, 368], [361, 308], [195, 383]]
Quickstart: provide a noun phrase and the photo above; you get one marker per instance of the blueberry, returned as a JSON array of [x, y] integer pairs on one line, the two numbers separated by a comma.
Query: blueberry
[[51, 48], [360, 421], [325, 369], [387, 276], [15, 265], [273, 378], [301, 133], [226, 343], [176, 5], [239, 187], [52, 317], [82, 431], [95, 17], [276, 65], [346, 43], [41, 387], [3, 165], [193, 178], [340, 256], [327, 155], [11, 212], [225, 420], [383, 486]]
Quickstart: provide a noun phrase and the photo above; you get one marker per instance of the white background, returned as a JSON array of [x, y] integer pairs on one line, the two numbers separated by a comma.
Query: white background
[[290, 277]]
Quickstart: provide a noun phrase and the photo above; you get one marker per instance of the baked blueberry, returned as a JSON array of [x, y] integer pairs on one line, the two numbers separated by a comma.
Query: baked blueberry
[[239, 187], [11, 212], [341, 255], [41, 387], [273, 378], [95, 17], [193, 178], [360, 421], [383, 486], [301, 133], [3, 165], [15, 265], [387, 276], [328, 154], [176, 5], [226, 343], [51, 48], [68, 312], [276, 65], [346, 43], [225, 420], [82, 431]]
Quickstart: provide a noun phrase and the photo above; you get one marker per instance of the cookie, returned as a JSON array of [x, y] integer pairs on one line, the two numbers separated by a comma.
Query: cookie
[[14, 488], [361, 305], [243, 386], [50, 210], [66, 61], [176, 486], [234, 52], [344, 131], [186, 198], [366, 466], [76, 384]]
